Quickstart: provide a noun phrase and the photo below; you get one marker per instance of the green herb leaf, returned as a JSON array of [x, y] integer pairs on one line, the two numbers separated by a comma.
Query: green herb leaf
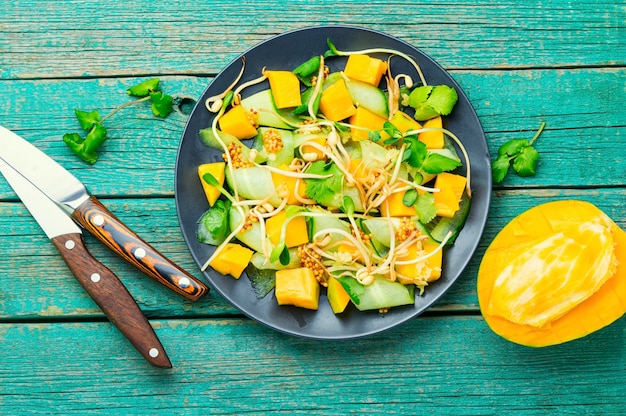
[[307, 70], [210, 179], [431, 101], [86, 148], [519, 152], [161, 104], [417, 151], [86, 119], [410, 197], [425, 207], [332, 49], [213, 224], [144, 88], [436, 163], [525, 164], [324, 191], [500, 168]]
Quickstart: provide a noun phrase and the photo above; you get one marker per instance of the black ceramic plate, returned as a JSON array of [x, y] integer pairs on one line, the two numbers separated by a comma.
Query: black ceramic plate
[[287, 51]]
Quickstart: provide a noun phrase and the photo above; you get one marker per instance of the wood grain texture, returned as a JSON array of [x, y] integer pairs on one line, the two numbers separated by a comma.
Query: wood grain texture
[[443, 365], [519, 62], [68, 39]]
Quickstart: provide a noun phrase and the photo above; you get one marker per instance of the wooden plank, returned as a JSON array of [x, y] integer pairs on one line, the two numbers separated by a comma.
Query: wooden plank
[[582, 145], [36, 284], [67, 39], [233, 366]]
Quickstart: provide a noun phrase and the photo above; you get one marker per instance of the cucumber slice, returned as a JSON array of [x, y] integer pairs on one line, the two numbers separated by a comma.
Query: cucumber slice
[[322, 223], [439, 227], [282, 157], [379, 229], [268, 115], [253, 183], [208, 139], [365, 95], [252, 237], [382, 293], [262, 263]]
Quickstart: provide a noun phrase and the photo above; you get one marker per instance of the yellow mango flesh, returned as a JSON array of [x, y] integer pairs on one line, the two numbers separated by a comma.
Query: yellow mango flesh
[[336, 102], [432, 139], [285, 88], [297, 287], [296, 230], [451, 187], [236, 122], [295, 186], [428, 270], [365, 68], [555, 273], [337, 296], [216, 169], [404, 122], [393, 206], [232, 260], [368, 121]]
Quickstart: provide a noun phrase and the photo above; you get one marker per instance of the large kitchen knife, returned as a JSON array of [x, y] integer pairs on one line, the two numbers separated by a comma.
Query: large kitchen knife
[[70, 194], [97, 280]]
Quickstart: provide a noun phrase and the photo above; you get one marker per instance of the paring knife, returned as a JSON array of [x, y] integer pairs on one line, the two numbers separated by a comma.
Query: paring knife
[[102, 285], [70, 194]]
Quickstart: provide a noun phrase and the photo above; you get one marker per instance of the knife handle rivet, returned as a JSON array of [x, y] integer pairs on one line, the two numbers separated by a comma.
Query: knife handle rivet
[[153, 352], [184, 283], [69, 244], [95, 277], [140, 253], [98, 220]]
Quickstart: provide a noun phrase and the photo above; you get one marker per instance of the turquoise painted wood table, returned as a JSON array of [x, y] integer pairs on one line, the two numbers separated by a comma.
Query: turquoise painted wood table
[[519, 62]]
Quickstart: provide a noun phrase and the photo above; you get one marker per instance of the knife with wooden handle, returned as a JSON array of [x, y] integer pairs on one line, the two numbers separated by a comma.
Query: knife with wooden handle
[[99, 282], [71, 195]]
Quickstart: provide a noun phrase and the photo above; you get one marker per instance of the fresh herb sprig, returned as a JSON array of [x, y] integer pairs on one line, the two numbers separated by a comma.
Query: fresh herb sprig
[[87, 147], [518, 153]]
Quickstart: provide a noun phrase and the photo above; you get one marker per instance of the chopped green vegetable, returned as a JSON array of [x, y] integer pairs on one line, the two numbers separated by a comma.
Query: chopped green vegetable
[[213, 224], [261, 280], [432, 101], [521, 154]]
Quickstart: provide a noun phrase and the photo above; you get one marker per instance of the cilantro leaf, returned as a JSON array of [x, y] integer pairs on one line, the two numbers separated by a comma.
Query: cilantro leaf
[[500, 167], [144, 89], [436, 163], [86, 148], [261, 280], [425, 207], [324, 191], [415, 153], [161, 104], [520, 153], [431, 101], [512, 147], [307, 70], [525, 164], [86, 119]]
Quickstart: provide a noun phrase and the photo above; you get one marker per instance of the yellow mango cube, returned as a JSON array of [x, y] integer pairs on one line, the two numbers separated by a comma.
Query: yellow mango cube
[[285, 88], [237, 123], [297, 287], [432, 139], [451, 188], [368, 121], [393, 206], [296, 229], [337, 296], [336, 102], [217, 170], [429, 269], [404, 122], [295, 186], [232, 260], [365, 68]]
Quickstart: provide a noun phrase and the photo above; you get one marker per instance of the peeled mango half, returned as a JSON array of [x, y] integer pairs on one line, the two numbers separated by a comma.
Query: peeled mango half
[[555, 273]]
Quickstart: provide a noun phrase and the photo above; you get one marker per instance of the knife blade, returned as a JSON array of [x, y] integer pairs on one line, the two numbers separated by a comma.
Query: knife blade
[[99, 282], [70, 194]]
